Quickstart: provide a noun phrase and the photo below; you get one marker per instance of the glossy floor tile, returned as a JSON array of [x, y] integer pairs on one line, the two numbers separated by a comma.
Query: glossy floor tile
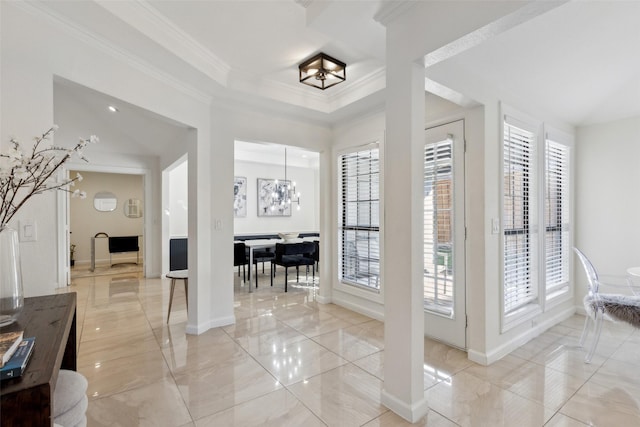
[[290, 361]]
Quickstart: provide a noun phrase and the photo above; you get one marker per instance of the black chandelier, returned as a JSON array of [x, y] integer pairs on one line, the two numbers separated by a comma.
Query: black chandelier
[[322, 71]]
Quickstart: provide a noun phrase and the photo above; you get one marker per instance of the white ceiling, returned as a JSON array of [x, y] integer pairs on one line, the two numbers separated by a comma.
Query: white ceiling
[[578, 62]]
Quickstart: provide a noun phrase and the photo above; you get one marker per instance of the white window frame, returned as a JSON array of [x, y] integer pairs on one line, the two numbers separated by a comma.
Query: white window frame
[[531, 307], [346, 285], [542, 301]]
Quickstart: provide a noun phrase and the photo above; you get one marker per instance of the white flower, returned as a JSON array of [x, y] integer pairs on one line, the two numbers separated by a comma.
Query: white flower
[[79, 177], [78, 193], [24, 173], [94, 139]]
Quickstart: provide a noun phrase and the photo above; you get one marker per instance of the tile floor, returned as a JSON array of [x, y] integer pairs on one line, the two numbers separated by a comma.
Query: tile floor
[[289, 361]]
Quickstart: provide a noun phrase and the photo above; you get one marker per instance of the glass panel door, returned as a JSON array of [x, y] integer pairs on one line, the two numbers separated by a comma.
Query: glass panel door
[[444, 234]]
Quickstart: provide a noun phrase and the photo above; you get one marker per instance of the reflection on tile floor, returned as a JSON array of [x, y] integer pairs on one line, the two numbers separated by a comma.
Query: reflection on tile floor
[[289, 361]]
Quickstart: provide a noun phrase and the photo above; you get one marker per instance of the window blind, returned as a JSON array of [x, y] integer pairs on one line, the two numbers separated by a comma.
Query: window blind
[[438, 227], [359, 212], [519, 207], [556, 217]]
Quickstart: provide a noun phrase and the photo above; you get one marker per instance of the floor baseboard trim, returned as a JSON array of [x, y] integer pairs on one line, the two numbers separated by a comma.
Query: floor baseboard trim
[[324, 300], [213, 323], [410, 412], [499, 352], [359, 309]]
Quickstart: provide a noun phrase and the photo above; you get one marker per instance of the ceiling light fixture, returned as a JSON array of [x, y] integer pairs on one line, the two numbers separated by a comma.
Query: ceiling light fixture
[[322, 71], [112, 109]]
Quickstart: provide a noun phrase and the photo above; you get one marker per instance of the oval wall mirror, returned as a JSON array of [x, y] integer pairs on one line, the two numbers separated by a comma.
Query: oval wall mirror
[[105, 201], [133, 208]]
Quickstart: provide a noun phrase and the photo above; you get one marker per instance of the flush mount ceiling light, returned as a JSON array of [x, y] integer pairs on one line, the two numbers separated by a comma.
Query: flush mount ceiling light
[[322, 71]]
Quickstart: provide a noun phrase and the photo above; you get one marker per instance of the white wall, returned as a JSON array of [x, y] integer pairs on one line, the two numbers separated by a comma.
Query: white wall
[[304, 220], [607, 202], [86, 221], [29, 62]]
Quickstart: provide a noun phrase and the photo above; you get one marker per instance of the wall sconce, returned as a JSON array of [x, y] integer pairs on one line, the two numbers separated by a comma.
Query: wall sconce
[[322, 71]]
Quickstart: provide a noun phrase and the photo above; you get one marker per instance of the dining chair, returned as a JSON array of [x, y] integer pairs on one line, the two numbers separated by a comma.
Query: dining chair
[[262, 256], [619, 307], [240, 258], [293, 255]]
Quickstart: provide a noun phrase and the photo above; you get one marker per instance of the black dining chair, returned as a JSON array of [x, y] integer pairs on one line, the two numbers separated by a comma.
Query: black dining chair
[[262, 255], [240, 258], [293, 255]]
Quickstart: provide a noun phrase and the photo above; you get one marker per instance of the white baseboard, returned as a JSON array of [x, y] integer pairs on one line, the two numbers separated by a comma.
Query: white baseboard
[[324, 300], [498, 353], [212, 323], [410, 412], [366, 311]]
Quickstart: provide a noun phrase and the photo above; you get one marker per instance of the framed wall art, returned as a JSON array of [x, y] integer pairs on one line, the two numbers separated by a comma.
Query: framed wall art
[[239, 197], [272, 196]]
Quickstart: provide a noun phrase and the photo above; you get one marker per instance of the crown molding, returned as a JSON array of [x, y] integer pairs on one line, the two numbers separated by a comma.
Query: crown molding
[[391, 9], [151, 22], [360, 84], [278, 91], [93, 40]]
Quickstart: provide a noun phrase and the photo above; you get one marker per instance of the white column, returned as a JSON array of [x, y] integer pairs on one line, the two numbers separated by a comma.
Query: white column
[[403, 224], [327, 241]]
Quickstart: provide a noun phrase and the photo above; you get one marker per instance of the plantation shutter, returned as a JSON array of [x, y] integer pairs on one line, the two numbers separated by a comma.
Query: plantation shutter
[[359, 212], [557, 217], [519, 211], [438, 227]]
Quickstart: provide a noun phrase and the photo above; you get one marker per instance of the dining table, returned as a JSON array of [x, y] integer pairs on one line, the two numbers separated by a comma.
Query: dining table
[[254, 244]]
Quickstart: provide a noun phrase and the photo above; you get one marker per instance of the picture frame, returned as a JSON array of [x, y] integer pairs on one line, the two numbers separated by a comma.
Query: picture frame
[[270, 194], [239, 196]]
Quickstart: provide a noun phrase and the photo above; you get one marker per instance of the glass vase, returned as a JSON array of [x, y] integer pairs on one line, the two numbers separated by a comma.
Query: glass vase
[[11, 293]]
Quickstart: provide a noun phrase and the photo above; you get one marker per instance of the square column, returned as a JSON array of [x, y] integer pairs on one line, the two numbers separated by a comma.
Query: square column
[[403, 240]]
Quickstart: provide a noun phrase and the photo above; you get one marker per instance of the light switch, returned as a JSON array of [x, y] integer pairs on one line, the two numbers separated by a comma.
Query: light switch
[[28, 230], [495, 226]]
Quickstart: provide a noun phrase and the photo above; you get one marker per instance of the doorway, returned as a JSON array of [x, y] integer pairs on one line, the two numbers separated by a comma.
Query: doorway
[[114, 208], [444, 234]]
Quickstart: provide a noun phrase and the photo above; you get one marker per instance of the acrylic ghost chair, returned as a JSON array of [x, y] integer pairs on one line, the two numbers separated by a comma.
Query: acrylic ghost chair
[[615, 306]]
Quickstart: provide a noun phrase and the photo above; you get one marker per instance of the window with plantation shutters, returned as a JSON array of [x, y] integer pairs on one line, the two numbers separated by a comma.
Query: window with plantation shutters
[[557, 217], [438, 227], [359, 213], [519, 215]]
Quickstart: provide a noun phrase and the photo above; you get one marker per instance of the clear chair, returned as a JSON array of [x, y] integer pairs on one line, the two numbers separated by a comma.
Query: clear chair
[[624, 308]]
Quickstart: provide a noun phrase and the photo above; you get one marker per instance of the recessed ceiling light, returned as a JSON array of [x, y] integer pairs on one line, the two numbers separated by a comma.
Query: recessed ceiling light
[[112, 109]]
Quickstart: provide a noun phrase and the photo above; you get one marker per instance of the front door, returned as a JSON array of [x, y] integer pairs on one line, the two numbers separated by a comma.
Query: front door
[[444, 234]]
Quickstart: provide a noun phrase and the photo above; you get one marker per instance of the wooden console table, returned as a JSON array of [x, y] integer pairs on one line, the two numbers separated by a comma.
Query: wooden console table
[[28, 400]]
